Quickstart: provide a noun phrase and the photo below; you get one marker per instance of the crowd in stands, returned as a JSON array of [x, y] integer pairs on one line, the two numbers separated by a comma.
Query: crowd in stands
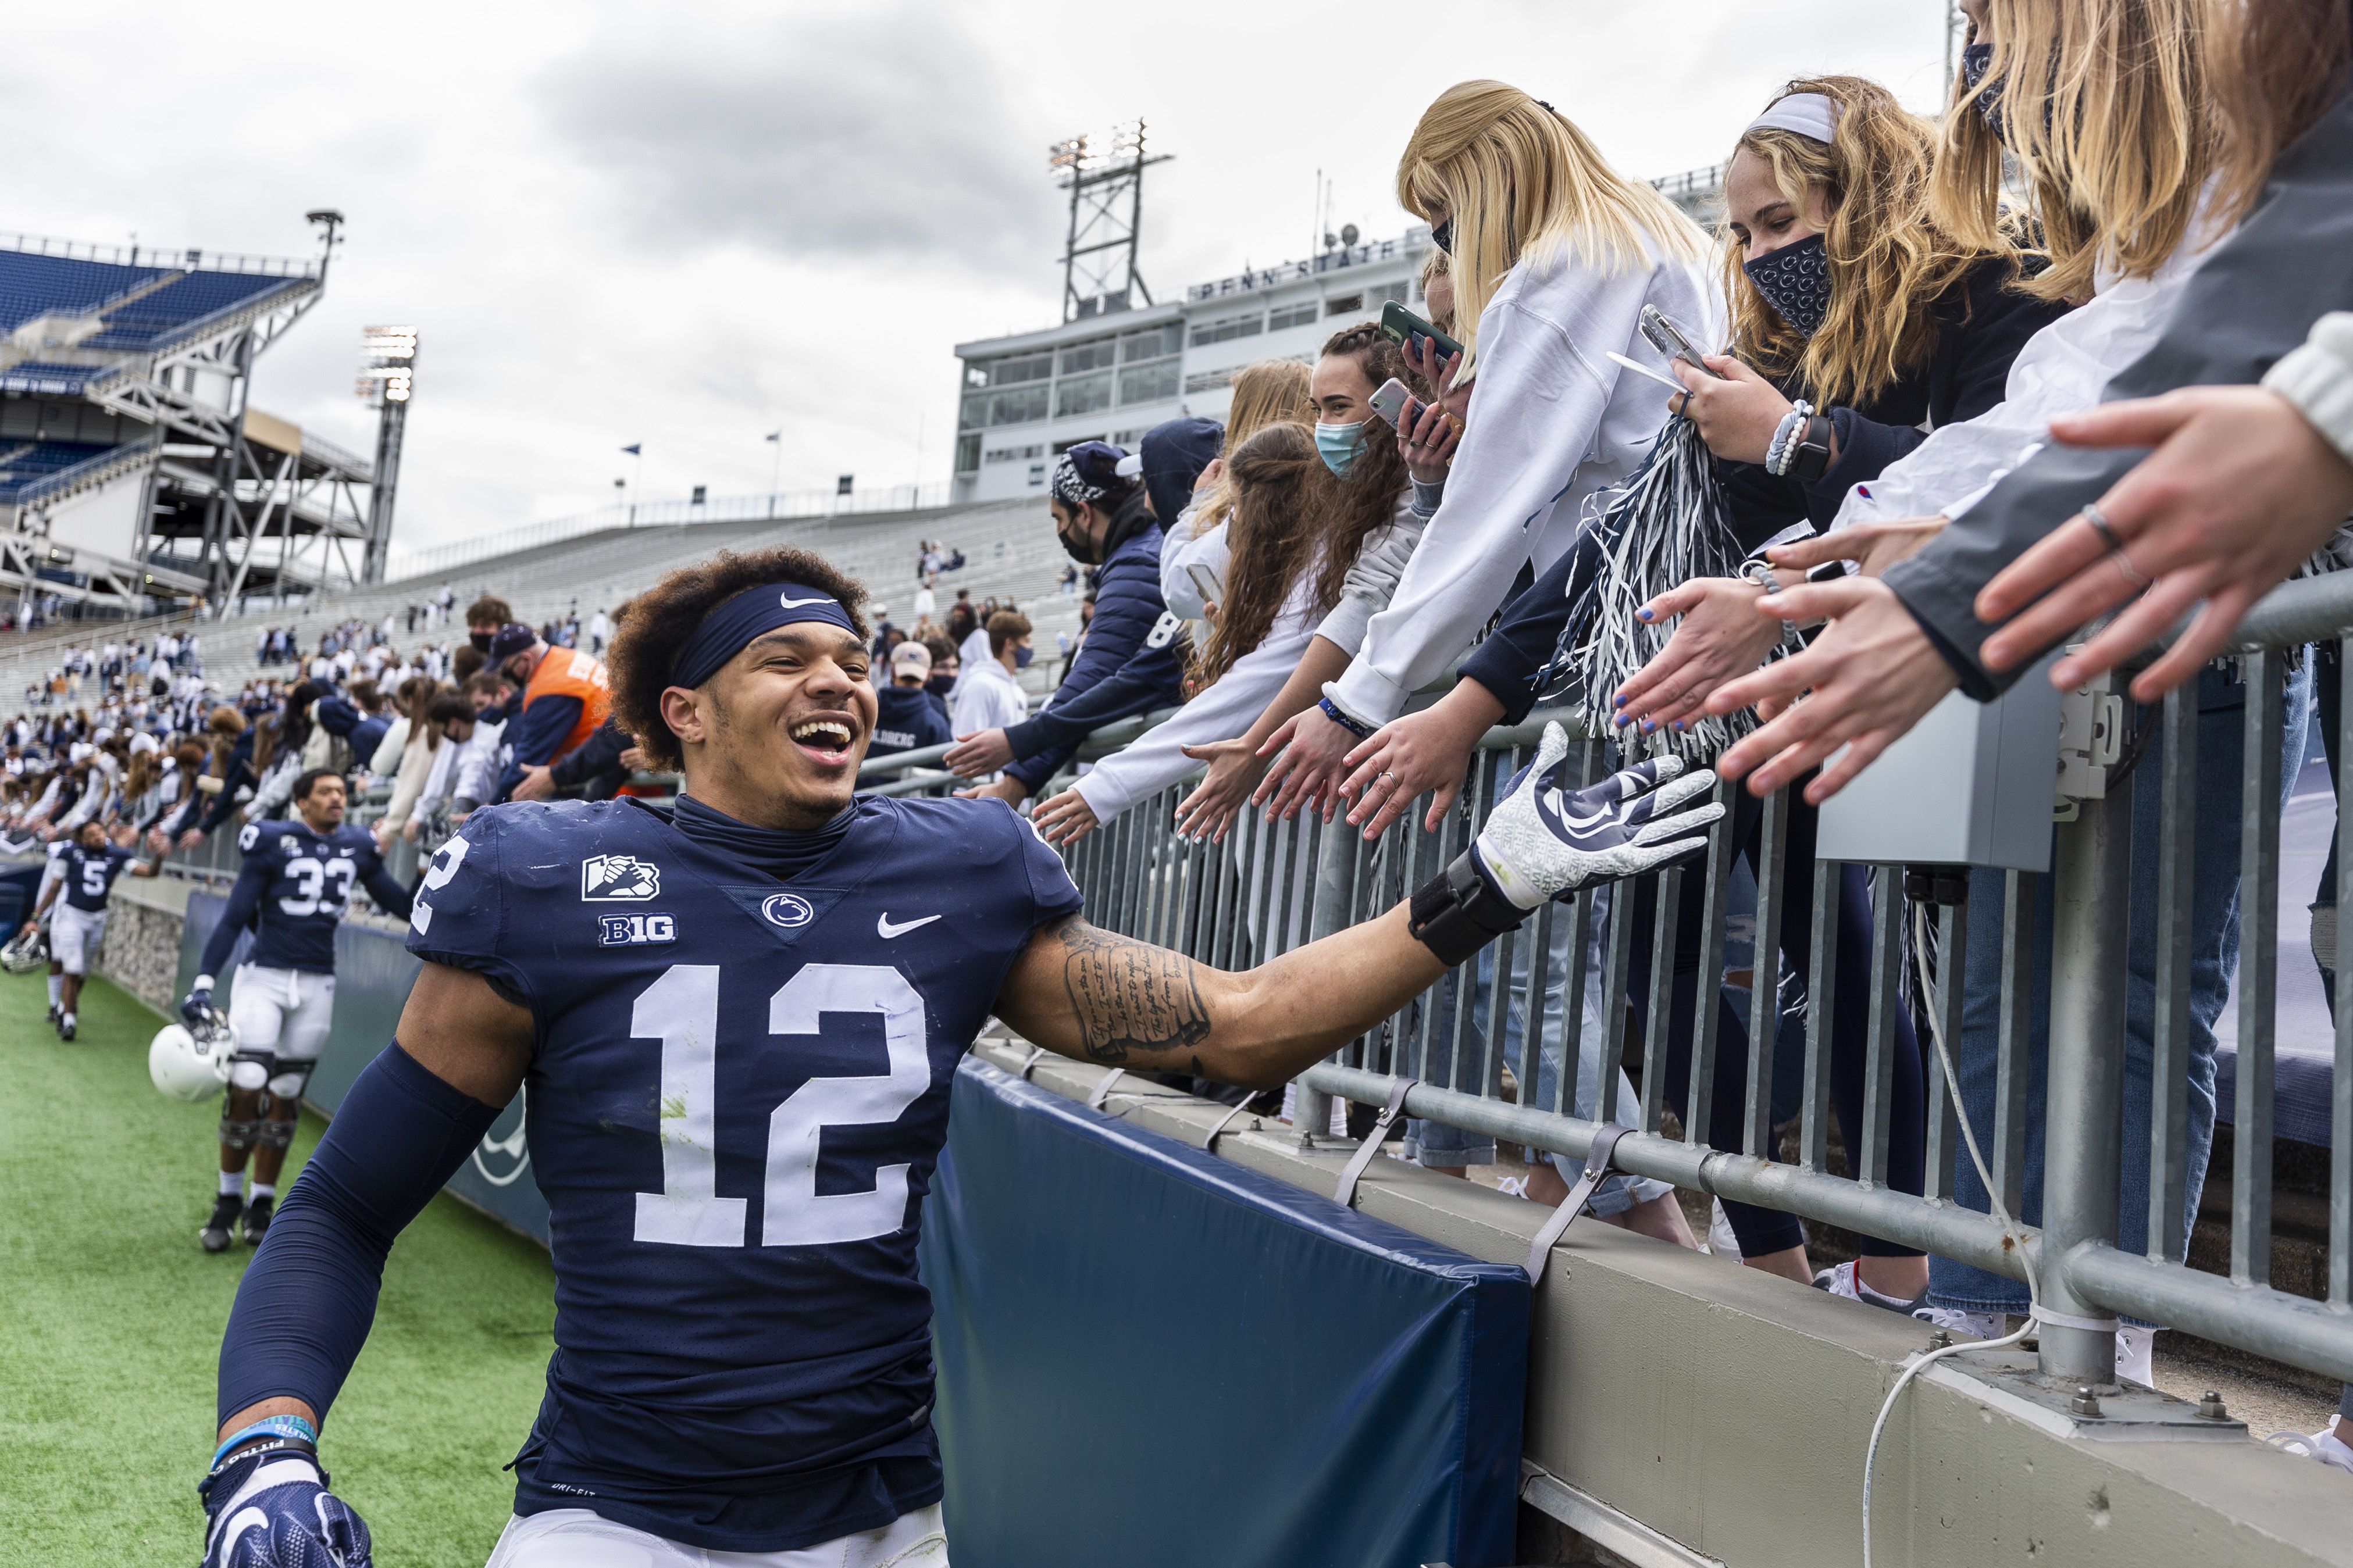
[[1927, 461]]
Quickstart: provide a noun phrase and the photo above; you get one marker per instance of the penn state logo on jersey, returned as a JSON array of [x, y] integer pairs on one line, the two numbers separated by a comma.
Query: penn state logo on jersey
[[618, 878]]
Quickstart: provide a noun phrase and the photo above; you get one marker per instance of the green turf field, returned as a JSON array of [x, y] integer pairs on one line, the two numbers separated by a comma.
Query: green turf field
[[111, 1320]]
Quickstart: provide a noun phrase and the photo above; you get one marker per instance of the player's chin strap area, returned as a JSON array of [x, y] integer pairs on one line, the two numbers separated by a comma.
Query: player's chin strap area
[[1596, 1169], [1458, 912]]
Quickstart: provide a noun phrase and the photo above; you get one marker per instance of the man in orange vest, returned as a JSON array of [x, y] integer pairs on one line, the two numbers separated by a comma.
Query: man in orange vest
[[564, 697]]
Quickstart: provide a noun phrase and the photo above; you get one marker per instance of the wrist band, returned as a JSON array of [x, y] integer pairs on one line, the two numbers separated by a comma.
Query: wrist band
[[1457, 912], [292, 1428], [1332, 711], [1785, 435]]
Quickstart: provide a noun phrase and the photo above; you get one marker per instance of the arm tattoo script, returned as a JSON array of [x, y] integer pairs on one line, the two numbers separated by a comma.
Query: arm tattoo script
[[1129, 995]]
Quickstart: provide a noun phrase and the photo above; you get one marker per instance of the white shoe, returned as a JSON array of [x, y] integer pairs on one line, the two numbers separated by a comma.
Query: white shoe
[[2323, 1446], [1722, 1242], [1515, 1186], [1978, 1325], [1843, 1280]]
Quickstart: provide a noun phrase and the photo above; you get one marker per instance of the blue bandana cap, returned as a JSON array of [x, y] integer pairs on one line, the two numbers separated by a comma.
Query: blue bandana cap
[[1089, 473], [727, 630]]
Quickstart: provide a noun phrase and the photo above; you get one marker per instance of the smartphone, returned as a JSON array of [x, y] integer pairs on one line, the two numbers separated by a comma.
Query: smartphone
[[1390, 400], [1206, 583], [1399, 325], [1670, 339]]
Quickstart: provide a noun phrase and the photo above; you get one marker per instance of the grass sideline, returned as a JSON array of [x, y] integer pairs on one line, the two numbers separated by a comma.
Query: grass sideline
[[114, 1314]]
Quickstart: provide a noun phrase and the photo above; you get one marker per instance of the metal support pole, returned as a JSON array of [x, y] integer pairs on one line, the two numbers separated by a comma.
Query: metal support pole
[[2091, 883], [1336, 872]]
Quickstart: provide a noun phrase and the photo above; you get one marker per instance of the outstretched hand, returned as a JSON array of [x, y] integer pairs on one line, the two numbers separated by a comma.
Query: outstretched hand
[[1308, 753], [1426, 750], [982, 752], [1065, 819], [2239, 491], [1720, 636], [1874, 547], [1210, 809], [1870, 675]]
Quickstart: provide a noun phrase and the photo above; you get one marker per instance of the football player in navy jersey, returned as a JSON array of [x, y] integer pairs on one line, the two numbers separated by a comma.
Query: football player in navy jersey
[[86, 867], [291, 892], [737, 1028]]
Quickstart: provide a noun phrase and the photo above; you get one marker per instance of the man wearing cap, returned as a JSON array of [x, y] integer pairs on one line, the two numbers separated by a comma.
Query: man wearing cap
[[565, 695], [906, 716], [1107, 504], [739, 1026]]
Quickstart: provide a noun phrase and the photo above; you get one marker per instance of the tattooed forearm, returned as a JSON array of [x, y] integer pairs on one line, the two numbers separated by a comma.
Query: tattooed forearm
[[1129, 997]]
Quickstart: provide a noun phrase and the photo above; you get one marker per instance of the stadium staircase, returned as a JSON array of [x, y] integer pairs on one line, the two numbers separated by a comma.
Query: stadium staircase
[[1010, 553]]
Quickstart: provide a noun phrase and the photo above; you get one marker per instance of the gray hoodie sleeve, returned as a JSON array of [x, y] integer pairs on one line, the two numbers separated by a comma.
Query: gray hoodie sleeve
[[2250, 306], [1372, 582]]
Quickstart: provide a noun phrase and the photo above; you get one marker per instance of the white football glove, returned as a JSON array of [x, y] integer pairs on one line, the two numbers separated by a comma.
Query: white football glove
[[1545, 840]]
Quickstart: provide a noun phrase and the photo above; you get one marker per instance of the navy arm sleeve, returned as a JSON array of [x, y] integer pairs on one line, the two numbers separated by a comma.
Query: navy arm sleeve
[[305, 1305], [600, 753], [1509, 660], [239, 776], [385, 889], [534, 737], [244, 904], [1116, 674]]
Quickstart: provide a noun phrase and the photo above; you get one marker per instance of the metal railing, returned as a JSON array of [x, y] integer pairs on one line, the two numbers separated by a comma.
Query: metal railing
[[1271, 887]]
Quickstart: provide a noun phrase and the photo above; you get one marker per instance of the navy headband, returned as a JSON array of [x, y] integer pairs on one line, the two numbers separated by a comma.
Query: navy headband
[[727, 630]]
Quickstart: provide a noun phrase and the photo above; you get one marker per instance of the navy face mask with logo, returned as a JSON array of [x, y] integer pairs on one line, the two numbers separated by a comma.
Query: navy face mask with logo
[[1796, 281], [1976, 60]]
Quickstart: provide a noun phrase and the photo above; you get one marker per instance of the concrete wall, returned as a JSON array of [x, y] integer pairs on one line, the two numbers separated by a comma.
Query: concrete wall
[[140, 951], [1683, 1410]]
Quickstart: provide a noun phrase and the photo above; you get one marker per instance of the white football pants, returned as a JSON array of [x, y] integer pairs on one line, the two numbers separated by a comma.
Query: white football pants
[[576, 1537], [74, 936], [285, 1012]]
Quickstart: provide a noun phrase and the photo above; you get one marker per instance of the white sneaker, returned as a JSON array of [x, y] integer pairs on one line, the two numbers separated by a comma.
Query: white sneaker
[[1721, 1240], [1843, 1280], [2135, 1350], [2322, 1446], [1976, 1325], [1515, 1186]]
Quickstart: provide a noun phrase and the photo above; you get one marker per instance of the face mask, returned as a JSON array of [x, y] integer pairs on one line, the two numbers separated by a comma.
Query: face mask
[[940, 684], [1337, 445], [1076, 542], [1976, 60], [482, 640], [1796, 281], [1022, 655], [1442, 236]]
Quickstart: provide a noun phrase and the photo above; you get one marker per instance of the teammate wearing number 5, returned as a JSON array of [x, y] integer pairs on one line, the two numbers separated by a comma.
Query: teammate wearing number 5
[[86, 869], [291, 892], [737, 1027]]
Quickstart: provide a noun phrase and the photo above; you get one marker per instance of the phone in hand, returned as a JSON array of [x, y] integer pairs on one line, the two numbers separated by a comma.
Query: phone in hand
[[1668, 338], [1400, 325], [1390, 401], [1206, 583]]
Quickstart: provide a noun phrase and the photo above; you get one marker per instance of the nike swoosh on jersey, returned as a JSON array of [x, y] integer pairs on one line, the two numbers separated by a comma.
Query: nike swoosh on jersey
[[884, 929], [795, 603]]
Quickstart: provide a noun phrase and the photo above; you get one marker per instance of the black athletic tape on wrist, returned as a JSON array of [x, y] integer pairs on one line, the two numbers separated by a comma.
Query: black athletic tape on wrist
[[1458, 912]]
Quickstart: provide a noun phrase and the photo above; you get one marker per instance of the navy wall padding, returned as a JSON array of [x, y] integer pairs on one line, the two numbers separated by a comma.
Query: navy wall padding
[[1150, 1355], [373, 974]]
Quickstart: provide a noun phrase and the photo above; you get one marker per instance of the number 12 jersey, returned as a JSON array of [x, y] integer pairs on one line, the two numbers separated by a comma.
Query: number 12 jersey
[[739, 1093]]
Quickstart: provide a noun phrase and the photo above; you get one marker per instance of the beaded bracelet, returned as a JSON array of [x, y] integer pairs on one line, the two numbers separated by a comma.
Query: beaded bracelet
[[1777, 455], [1332, 711]]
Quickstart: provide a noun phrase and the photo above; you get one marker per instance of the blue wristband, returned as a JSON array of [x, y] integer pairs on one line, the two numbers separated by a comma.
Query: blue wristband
[[292, 1426], [1332, 711]]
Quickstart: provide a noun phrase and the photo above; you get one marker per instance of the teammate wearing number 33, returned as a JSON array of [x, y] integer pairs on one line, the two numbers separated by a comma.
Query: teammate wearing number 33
[[737, 1026]]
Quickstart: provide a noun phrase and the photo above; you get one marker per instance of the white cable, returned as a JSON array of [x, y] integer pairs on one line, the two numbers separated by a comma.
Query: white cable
[[2001, 1212]]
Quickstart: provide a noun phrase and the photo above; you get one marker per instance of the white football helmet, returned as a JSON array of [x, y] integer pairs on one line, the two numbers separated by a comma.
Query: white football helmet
[[28, 951], [192, 1065]]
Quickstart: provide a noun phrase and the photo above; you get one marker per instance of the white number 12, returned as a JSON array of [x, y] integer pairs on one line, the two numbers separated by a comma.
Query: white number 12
[[681, 1010]]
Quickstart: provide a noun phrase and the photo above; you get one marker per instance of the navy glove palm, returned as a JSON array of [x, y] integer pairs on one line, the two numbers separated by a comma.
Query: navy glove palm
[[273, 1511], [198, 1006]]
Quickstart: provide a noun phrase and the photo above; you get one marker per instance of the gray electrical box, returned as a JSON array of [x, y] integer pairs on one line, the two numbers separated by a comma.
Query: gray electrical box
[[1972, 784]]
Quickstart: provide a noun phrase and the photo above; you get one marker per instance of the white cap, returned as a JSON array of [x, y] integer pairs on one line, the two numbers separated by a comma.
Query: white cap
[[1130, 467]]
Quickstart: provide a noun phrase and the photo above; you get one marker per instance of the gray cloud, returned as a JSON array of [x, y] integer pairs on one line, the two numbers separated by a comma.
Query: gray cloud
[[881, 135]]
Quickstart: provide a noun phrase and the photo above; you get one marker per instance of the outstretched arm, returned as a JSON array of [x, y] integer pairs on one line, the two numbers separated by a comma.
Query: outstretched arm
[[1100, 997]]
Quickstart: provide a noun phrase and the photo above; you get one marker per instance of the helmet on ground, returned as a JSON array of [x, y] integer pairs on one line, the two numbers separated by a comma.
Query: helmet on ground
[[192, 1064], [26, 952]]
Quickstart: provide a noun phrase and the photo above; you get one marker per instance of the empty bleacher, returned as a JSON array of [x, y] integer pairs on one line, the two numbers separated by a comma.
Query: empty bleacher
[[33, 285], [152, 321]]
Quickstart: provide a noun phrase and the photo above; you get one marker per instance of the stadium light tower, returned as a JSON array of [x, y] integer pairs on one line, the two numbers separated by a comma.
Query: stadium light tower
[[387, 376], [332, 222], [1095, 280]]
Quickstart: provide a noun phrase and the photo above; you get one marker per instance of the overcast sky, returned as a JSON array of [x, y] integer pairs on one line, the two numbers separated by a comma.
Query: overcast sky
[[689, 226]]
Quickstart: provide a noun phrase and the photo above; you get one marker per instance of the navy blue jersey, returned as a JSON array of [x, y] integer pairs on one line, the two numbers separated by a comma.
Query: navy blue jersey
[[291, 892], [740, 1090], [90, 874]]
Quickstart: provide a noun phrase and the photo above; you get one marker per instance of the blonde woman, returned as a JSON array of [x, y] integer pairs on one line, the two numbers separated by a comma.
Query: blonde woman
[[1271, 392], [1554, 257]]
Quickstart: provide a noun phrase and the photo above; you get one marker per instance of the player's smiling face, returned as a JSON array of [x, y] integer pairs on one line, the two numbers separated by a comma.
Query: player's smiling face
[[779, 732]]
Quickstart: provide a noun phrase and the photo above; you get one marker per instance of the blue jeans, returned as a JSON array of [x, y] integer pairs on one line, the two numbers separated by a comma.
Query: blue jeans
[[2214, 959]]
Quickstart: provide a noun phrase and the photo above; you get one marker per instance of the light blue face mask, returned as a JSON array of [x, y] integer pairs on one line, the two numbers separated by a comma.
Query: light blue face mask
[[1337, 445]]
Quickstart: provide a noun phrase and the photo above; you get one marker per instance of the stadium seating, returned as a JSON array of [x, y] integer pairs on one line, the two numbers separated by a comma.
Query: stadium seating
[[22, 462], [1009, 548], [34, 285], [153, 320]]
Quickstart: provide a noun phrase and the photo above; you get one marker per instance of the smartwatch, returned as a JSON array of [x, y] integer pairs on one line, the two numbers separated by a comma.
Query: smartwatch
[[1809, 458]]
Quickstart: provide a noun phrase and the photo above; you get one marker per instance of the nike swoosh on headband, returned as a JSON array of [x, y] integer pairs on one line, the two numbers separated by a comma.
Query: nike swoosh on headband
[[785, 604]]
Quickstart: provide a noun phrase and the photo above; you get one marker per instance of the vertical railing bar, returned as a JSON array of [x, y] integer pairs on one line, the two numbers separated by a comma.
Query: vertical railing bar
[[1529, 1068], [2340, 1109], [1499, 994], [1282, 893], [1870, 1162], [1188, 935], [1944, 1123], [1466, 812], [2010, 1075], [1657, 1031], [1821, 1011], [1764, 975], [2177, 861], [2250, 1134], [1230, 855], [1613, 1000], [1572, 1003], [1707, 1006]]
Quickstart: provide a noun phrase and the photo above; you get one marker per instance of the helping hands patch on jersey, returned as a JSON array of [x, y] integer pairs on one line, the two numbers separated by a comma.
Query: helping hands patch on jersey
[[618, 878]]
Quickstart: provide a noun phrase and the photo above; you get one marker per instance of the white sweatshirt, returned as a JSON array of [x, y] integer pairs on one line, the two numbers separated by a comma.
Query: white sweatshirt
[[1552, 420], [991, 699], [2063, 368], [2318, 379]]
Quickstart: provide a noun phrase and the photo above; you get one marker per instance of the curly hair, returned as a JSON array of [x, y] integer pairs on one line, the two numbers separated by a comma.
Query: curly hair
[[662, 620]]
